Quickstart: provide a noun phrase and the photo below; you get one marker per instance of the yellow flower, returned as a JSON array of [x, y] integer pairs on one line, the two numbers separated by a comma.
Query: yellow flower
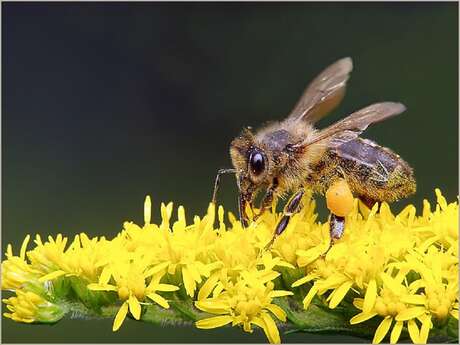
[[184, 247], [16, 271], [29, 307], [377, 244], [400, 268], [130, 282], [440, 226], [436, 292], [389, 303], [246, 302], [84, 258], [47, 257]]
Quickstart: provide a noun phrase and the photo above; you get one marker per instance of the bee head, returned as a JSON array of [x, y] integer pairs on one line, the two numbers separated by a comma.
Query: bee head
[[252, 163]]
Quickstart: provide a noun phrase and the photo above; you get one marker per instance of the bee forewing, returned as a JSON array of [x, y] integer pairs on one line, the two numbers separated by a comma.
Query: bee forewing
[[324, 93], [353, 125]]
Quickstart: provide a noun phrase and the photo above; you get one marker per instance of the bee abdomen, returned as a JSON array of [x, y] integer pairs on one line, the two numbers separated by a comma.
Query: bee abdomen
[[372, 171]]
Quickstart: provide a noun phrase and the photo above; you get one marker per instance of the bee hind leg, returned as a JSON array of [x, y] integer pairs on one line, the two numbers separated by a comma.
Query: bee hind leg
[[337, 226], [336, 229], [339, 200]]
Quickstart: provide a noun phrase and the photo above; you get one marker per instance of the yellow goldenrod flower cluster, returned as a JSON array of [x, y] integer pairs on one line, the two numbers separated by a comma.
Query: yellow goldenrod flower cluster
[[395, 275]]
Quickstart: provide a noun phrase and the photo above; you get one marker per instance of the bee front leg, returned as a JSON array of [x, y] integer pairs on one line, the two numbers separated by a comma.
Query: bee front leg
[[293, 206], [242, 202], [217, 180], [267, 201]]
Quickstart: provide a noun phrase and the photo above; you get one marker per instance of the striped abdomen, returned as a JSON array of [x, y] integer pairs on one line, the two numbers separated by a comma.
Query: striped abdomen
[[372, 172]]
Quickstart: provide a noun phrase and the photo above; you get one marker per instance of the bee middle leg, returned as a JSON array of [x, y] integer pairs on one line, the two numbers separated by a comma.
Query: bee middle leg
[[369, 202], [293, 206]]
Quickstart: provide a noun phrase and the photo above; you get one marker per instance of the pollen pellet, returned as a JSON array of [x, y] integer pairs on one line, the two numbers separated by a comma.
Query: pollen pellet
[[339, 199]]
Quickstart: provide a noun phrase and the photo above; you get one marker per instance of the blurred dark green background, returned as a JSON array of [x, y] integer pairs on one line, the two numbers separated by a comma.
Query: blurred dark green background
[[105, 103]]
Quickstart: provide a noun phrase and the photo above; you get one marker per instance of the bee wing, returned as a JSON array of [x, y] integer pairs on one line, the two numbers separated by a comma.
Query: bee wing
[[324, 93], [353, 125]]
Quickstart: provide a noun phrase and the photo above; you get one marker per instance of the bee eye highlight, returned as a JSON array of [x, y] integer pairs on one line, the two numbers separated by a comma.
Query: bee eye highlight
[[257, 163]]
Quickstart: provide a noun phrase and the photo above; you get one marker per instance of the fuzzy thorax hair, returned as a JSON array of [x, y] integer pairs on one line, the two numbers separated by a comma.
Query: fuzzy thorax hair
[[287, 166]]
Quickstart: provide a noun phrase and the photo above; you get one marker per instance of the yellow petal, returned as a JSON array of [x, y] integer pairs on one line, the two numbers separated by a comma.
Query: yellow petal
[[189, 282], [213, 306], [361, 317], [358, 303], [22, 254], [9, 251], [304, 280], [156, 269], [269, 277], [413, 331], [333, 281], [370, 296], [339, 294], [213, 322], [425, 329], [396, 332], [413, 299], [194, 273], [208, 286], [134, 307], [382, 330], [120, 317], [280, 293], [277, 311], [105, 276], [270, 329], [52, 275], [307, 300], [147, 209], [305, 257], [390, 283], [410, 313], [166, 287], [159, 300]]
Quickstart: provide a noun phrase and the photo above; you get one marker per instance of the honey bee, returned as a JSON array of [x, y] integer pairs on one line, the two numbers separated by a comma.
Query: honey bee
[[291, 155]]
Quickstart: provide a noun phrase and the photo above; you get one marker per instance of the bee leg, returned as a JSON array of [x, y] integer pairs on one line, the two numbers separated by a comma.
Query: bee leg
[[267, 201], [291, 208], [242, 210], [367, 201], [216, 182], [336, 229], [337, 226], [339, 201], [265, 204]]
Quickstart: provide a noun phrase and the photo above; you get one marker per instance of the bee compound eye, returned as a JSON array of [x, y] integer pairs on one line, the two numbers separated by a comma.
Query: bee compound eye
[[257, 163]]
